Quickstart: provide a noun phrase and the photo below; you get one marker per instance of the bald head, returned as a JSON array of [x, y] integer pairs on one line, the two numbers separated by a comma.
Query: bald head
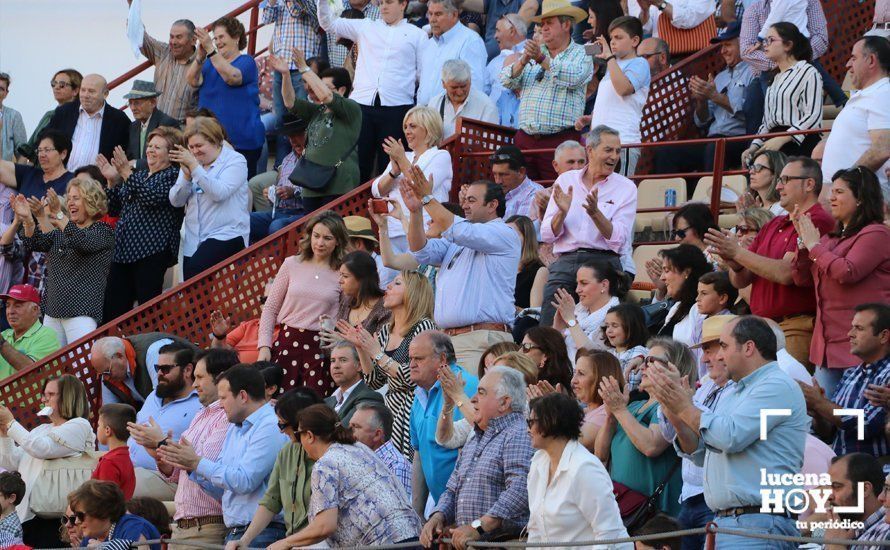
[[656, 52], [93, 91]]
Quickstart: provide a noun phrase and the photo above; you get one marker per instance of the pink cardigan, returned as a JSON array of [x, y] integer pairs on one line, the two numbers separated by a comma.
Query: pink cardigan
[[846, 272], [301, 293]]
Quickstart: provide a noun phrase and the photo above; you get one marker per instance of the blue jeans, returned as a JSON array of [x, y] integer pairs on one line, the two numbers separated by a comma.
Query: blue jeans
[[273, 533], [694, 513], [263, 224], [830, 85], [767, 524], [282, 146]]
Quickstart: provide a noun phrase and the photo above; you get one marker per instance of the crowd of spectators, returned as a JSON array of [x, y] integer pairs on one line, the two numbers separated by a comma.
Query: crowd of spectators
[[476, 370]]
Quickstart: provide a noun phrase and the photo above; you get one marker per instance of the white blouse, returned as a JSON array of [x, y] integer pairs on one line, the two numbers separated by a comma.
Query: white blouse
[[591, 322], [577, 504], [436, 164], [25, 452]]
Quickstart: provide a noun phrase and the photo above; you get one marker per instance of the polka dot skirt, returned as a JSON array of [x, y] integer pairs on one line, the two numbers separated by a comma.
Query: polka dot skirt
[[298, 352]]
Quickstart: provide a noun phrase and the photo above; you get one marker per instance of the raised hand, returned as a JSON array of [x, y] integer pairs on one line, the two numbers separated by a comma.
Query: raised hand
[[278, 64], [607, 48], [723, 243], [582, 121], [219, 324], [410, 198], [806, 229], [613, 398], [564, 304], [562, 199], [53, 204], [452, 384], [591, 202], [298, 57], [418, 181], [21, 208], [394, 148], [183, 157], [204, 39], [108, 170], [542, 197]]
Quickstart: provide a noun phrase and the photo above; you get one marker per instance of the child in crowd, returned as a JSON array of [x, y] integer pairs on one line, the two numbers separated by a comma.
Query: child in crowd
[[115, 465], [715, 296], [626, 335], [12, 491], [624, 89]]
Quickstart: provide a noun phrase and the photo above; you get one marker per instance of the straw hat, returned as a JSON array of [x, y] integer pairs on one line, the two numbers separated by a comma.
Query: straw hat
[[711, 329], [359, 227], [554, 8]]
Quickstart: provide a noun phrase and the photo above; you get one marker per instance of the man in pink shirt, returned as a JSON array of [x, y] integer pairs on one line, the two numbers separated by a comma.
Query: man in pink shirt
[[198, 515], [590, 215]]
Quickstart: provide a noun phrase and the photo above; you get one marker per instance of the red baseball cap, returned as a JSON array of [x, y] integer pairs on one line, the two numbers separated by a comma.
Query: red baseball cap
[[23, 293]]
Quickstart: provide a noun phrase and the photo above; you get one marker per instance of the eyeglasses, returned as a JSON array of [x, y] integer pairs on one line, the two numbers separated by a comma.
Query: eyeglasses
[[528, 346], [744, 230], [648, 55], [679, 233], [757, 168], [165, 369], [770, 39], [531, 421], [69, 520], [60, 84], [786, 179], [652, 359], [45, 151]]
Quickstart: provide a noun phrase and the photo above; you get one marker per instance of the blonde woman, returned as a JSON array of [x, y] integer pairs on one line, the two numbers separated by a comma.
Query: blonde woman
[[423, 132], [212, 186], [306, 289], [68, 433], [384, 359], [78, 251]]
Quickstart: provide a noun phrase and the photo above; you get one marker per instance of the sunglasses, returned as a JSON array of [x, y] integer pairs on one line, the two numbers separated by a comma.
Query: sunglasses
[[652, 359], [283, 426], [78, 517], [527, 347], [60, 84], [165, 369], [531, 421], [679, 233], [744, 230], [757, 168]]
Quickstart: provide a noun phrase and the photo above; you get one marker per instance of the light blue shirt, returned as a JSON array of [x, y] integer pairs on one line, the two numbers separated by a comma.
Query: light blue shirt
[[215, 201], [506, 100], [457, 43], [241, 473], [478, 262], [174, 416], [436, 461], [730, 447], [732, 83]]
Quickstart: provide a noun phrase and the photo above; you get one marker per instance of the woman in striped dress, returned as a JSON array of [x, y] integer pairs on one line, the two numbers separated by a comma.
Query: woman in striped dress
[[794, 98], [384, 358]]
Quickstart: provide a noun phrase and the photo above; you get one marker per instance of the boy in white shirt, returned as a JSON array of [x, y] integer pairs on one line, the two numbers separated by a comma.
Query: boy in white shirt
[[622, 93]]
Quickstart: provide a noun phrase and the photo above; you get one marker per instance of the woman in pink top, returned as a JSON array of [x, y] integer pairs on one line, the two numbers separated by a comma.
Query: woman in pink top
[[848, 266], [591, 366], [307, 286]]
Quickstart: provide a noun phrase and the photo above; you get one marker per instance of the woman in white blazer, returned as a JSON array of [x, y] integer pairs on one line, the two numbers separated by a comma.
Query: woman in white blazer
[[68, 433], [573, 500]]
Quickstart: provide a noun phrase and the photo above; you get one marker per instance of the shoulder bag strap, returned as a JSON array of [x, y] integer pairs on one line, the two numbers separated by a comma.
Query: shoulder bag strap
[[351, 149]]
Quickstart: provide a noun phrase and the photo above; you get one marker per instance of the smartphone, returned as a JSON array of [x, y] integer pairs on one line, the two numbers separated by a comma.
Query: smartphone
[[379, 206], [593, 49]]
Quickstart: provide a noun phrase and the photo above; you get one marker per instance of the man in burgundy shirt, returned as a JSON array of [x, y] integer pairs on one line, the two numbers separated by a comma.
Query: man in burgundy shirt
[[766, 265]]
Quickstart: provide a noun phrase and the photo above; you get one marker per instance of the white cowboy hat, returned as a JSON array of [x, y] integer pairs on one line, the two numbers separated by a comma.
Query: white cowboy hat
[[554, 8]]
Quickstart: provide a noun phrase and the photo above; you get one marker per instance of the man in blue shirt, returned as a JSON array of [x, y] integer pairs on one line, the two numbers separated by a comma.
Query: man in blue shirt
[[429, 352], [173, 404], [450, 40], [478, 258], [241, 473], [728, 441]]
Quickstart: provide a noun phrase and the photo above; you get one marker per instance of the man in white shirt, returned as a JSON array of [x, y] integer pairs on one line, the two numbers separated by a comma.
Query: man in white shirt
[[508, 169], [450, 40], [386, 74], [460, 98], [860, 135], [346, 371], [510, 33]]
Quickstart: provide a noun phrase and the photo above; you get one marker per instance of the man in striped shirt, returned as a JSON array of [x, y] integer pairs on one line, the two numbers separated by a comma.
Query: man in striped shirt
[[198, 515], [371, 424], [870, 341]]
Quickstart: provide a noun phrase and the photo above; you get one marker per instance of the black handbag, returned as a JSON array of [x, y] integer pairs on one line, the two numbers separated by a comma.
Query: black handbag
[[314, 176], [636, 519]]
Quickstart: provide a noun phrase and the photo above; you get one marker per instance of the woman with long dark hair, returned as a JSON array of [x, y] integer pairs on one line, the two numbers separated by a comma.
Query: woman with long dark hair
[[305, 289], [849, 266], [361, 300], [532, 274], [682, 267], [763, 175], [793, 99], [547, 348]]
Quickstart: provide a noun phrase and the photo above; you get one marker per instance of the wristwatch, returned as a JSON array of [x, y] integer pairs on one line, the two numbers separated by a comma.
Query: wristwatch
[[59, 215], [477, 525], [572, 322], [379, 356], [305, 69], [426, 199], [661, 6]]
